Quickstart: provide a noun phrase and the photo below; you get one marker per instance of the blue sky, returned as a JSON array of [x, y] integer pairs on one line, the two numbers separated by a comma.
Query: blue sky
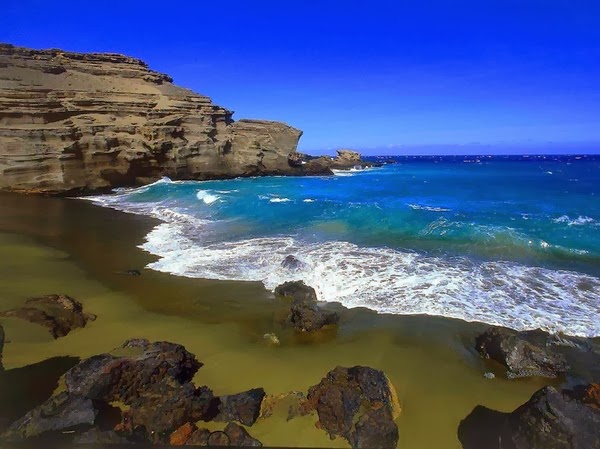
[[380, 76]]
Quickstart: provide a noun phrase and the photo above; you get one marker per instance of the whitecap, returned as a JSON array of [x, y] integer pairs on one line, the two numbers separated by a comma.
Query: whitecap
[[308, 200], [279, 200], [206, 196]]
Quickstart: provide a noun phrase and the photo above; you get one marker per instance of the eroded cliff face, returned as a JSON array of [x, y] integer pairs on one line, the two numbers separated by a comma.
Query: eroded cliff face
[[73, 123]]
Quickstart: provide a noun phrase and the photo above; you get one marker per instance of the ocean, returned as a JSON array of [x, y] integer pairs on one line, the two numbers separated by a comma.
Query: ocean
[[505, 240]]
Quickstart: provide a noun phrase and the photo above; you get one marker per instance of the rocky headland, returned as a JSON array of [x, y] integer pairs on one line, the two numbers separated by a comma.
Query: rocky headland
[[76, 123]]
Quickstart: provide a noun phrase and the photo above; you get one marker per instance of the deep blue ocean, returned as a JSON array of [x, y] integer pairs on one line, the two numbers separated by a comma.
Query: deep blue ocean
[[509, 240]]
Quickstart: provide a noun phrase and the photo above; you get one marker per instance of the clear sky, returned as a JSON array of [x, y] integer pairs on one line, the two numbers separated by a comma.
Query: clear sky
[[380, 76]]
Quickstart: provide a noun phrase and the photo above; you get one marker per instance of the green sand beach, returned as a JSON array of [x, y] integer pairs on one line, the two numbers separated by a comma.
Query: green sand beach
[[53, 245]]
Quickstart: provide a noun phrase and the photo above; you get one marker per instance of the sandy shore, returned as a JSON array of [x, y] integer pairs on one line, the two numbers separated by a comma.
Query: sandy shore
[[50, 245]]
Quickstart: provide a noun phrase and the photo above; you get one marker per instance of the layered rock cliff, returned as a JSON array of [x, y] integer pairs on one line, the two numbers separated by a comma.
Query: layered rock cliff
[[73, 123]]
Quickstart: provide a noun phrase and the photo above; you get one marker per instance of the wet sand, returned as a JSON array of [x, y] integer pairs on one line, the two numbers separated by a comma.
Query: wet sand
[[51, 245]]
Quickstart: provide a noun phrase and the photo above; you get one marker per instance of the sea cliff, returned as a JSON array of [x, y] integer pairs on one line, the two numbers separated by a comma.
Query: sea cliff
[[76, 123]]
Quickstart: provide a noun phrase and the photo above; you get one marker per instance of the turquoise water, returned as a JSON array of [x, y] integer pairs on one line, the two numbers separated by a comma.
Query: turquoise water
[[510, 241]]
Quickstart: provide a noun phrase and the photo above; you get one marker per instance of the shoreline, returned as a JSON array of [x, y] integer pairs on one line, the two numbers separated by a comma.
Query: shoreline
[[80, 248]]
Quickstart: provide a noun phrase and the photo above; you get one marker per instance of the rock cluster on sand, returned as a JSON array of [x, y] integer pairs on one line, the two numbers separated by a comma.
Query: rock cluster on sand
[[59, 313], [82, 122], [147, 396], [153, 383], [521, 357], [305, 314], [549, 420]]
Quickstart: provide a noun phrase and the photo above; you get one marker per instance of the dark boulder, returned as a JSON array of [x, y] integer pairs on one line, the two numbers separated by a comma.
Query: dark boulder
[[59, 313], [238, 436], [121, 378], [165, 407], [519, 356], [296, 290], [63, 412], [292, 263], [153, 380], [242, 407], [549, 420], [305, 314], [359, 404]]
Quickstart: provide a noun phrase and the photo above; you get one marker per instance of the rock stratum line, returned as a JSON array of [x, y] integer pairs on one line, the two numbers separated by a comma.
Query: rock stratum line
[[76, 123]]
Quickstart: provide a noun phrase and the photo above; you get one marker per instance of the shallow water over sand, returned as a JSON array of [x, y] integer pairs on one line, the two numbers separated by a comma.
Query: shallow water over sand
[[76, 248]]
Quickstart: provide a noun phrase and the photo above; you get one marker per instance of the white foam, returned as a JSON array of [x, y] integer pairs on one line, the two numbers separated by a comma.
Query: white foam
[[279, 200], [206, 196], [428, 208], [308, 200], [337, 172], [391, 281]]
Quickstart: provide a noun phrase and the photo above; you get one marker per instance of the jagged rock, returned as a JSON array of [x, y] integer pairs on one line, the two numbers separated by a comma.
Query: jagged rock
[[296, 289], [122, 378], [347, 157], [305, 314], [292, 263], [1, 347], [238, 436], [60, 413], [549, 420], [166, 406], [242, 407], [519, 356], [73, 123], [359, 404], [59, 313]]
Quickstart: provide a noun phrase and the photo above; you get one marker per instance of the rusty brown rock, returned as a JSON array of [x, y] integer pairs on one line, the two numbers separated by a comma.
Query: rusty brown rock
[[182, 434]]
